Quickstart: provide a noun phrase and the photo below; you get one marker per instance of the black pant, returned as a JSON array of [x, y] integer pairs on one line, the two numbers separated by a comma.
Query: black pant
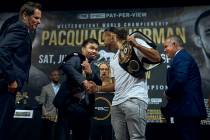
[[76, 118], [188, 128], [48, 130], [7, 109], [62, 127], [101, 132]]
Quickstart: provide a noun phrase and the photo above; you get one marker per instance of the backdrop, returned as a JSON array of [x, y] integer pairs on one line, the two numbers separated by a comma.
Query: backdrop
[[62, 32]]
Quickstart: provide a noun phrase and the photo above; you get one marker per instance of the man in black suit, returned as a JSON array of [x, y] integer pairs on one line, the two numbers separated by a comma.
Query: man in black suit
[[15, 60], [185, 99], [76, 96]]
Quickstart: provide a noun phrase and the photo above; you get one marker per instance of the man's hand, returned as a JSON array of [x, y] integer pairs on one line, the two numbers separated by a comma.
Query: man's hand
[[12, 87], [86, 67], [137, 42], [132, 40], [90, 86], [93, 87]]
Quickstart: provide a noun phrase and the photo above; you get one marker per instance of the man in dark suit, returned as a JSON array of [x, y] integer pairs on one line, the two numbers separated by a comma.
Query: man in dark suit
[[75, 99], [185, 99], [15, 60]]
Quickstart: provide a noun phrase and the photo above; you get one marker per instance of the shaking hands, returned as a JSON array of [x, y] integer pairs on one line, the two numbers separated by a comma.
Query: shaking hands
[[90, 86]]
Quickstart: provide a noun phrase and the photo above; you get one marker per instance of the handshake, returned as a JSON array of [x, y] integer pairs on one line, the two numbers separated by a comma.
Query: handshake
[[90, 86]]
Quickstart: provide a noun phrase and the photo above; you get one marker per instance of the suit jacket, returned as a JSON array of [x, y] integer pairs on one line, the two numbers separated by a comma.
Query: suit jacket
[[46, 99], [184, 88], [73, 70], [15, 53]]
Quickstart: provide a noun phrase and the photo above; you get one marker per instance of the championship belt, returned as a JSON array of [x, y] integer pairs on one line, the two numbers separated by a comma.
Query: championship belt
[[128, 59]]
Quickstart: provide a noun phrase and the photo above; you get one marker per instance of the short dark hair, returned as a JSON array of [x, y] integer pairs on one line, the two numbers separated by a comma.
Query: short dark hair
[[121, 33], [89, 40], [52, 71], [28, 8], [203, 15]]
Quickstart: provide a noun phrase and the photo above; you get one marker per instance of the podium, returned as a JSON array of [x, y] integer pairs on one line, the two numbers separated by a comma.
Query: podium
[[26, 126], [102, 112], [101, 128]]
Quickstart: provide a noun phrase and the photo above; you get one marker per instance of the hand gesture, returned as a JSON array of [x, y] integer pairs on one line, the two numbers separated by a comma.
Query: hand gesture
[[93, 87], [132, 40], [90, 86], [86, 67], [12, 87]]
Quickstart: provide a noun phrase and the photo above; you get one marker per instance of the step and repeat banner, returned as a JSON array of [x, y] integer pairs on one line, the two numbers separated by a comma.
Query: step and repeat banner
[[62, 32]]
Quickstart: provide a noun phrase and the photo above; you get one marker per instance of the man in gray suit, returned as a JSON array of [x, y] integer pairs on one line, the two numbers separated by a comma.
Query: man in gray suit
[[49, 112]]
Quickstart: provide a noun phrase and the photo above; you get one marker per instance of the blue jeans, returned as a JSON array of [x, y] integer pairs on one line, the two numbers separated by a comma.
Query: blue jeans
[[128, 120]]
